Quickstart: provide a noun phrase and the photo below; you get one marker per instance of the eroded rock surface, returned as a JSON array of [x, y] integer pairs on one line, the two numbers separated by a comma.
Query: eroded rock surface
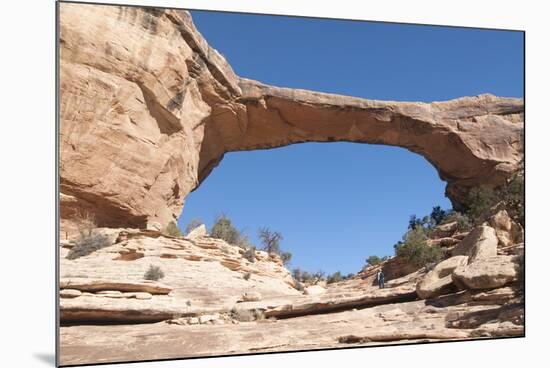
[[439, 280], [214, 301], [148, 109]]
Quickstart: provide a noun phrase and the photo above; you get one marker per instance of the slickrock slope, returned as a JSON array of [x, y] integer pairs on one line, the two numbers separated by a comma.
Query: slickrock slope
[[203, 275], [215, 301], [148, 109]]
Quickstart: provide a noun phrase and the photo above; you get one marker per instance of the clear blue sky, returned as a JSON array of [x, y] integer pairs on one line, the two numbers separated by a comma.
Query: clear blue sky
[[337, 203]]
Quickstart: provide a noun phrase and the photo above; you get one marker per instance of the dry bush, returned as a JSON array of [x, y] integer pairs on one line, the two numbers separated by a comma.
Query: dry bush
[[154, 273], [87, 244]]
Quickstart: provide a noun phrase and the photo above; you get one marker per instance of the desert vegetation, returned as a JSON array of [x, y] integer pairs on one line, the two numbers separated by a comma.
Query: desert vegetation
[[224, 229], [375, 260], [192, 225], [172, 229], [153, 273], [88, 241], [271, 243], [87, 244], [415, 249]]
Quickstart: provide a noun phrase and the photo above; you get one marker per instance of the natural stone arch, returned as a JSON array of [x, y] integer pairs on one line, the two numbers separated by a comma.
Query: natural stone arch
[[148, 109]]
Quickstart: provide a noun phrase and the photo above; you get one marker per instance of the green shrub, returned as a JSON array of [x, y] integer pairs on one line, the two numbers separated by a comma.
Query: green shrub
[[286, 257], [335, 277], [223, 229], [513, 194], [192, 225], [415, 250], [463, 221], [172, 229], [154, 273], [87, 244], [299, 286], [479, 200], [438, 214], [250, 254], [374, 260]]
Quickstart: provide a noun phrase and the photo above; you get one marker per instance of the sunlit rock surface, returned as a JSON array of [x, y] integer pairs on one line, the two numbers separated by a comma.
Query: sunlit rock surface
[[148, 109]]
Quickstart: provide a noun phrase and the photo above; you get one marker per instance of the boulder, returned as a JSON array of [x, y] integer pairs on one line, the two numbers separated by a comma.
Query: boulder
[[198, 231], [487, 273], [480, 243], [439, 280], [507, 231], [314, 290]]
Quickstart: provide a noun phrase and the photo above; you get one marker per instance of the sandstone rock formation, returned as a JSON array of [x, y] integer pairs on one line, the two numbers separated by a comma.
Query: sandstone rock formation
[[148, 109], [488, 273], [480, 243], [211, 289], [439, 280], [201, 274]]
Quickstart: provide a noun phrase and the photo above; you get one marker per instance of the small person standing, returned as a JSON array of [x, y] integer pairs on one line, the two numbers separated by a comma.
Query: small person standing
[[380, 278]]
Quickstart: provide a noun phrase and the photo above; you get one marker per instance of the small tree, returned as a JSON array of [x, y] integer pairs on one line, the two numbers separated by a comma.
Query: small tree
[[85, 222], [286, 257], [414, 222], [513, 194], [192, 225], [154, 273], [270, 240], [479, 200], [415, 249], [373, 260], [438, 214], [224, 229], [172, 229], [335, 277], [319, 275], [462, 220]]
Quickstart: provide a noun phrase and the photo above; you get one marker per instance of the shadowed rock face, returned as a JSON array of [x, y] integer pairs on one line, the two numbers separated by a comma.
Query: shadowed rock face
[[148, 109]]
